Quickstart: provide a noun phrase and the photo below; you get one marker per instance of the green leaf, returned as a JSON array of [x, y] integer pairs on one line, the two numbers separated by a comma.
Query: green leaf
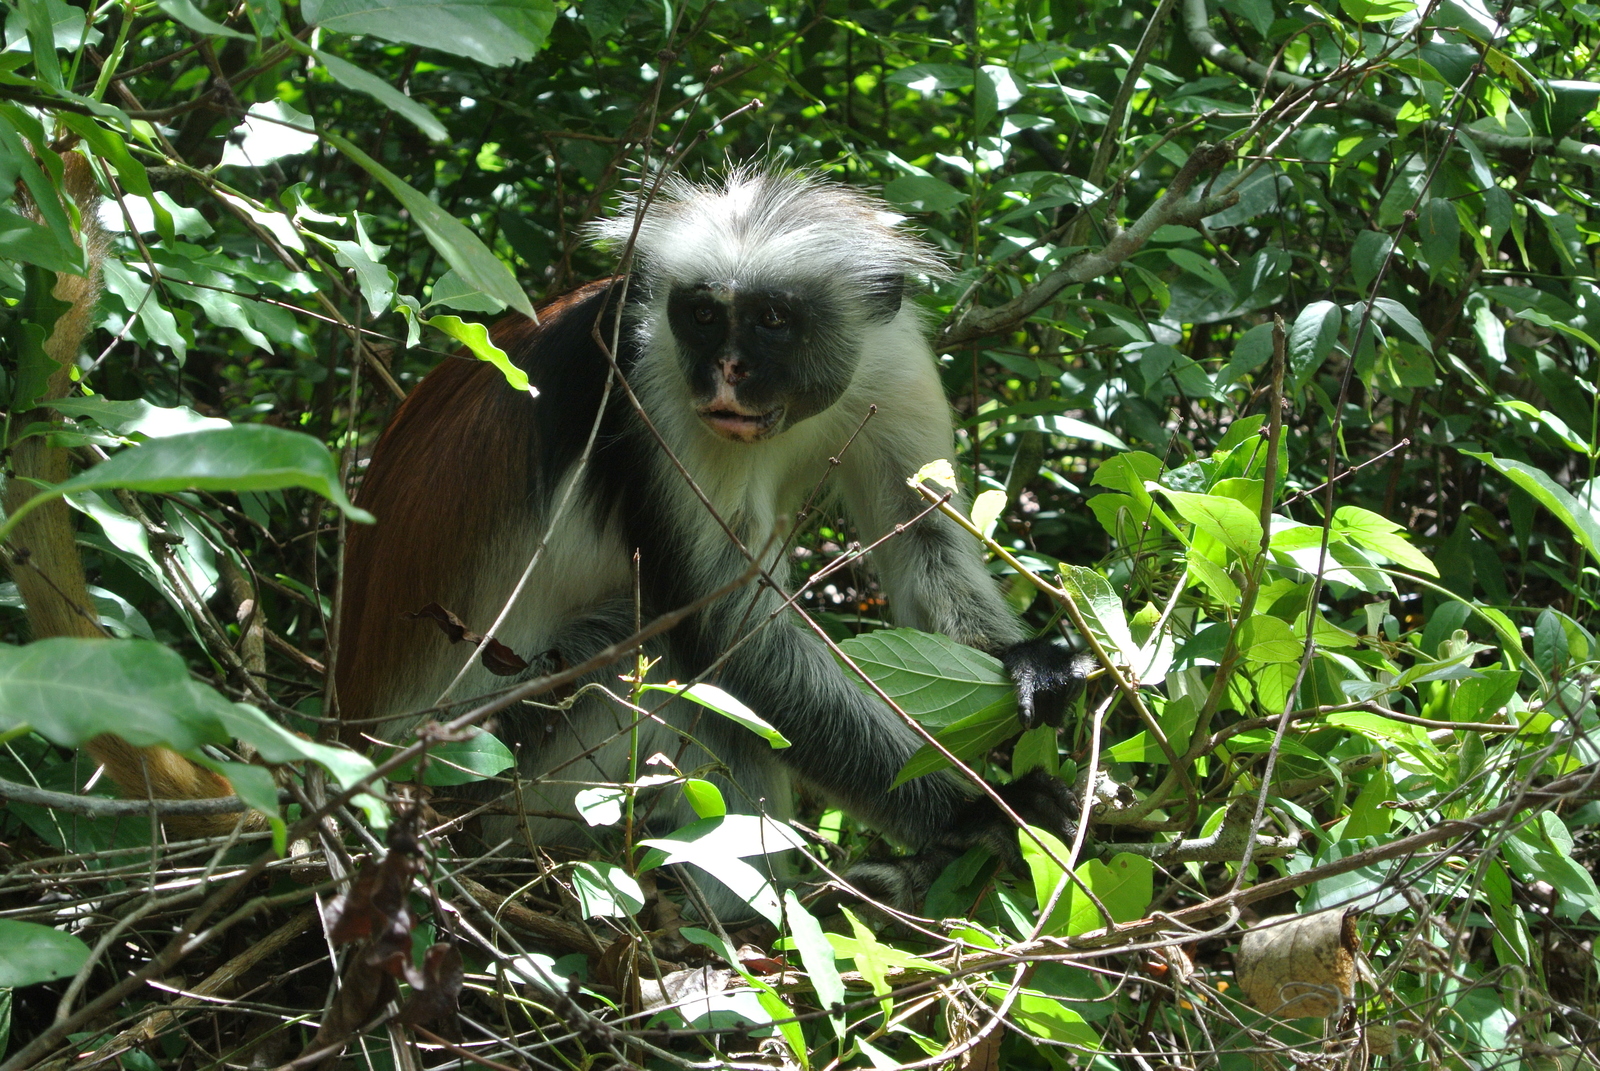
[[185, 12], [930, 676], [1439, 229], [270, 131], [1045, 1017], [31, 953], [705, 798], [1103, 610], [922, 193], [1125, 885], [719, 846], [1311, 338], [1552, 496], [605, 890], [1226, 520], [244, 457], [816, 955], [1405, 320], [352, 77], [460, 247], [476, 338], [451, 290], [1197, 265], [1367, 257], [969, 737], [1376, 10], [138, 417], [461, 762], [71, 690], [495, 32], [713, 698], [1379, 534], [1036, 749], [603, 18]]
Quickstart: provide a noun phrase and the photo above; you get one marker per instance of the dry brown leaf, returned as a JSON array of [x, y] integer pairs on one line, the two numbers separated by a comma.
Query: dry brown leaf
[[1300, 966]]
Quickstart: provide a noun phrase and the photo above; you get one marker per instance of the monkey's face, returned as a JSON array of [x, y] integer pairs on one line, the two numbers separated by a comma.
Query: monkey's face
[[758, 361]]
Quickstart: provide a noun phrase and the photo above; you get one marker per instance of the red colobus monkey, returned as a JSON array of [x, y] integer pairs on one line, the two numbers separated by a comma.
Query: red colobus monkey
[[764, 317]]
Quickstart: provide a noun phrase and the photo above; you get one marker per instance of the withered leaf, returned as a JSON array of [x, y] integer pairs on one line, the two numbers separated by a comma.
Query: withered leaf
[[680, 987], [376, 902], [498, 659], [1300, 966], [435, 988]]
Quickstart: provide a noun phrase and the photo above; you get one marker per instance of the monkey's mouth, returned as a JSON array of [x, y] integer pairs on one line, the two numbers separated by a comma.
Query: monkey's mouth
[[738, 425]]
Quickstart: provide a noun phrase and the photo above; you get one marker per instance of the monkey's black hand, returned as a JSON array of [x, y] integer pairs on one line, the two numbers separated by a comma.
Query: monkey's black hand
[[1038, 799], [1048, 676]]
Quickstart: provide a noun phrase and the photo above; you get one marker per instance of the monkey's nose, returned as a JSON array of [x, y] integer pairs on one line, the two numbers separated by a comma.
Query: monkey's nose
[[734, 372]]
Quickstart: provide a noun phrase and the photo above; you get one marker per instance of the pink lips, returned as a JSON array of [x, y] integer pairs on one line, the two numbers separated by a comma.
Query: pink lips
[[740, 426]]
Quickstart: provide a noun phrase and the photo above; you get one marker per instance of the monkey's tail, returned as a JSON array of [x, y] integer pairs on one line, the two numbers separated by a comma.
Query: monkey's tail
[[43, 555]]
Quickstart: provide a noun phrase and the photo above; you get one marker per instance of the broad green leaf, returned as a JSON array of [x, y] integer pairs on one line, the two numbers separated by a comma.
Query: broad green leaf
[[816, 954], [1264, 639], [1439, 229], [462, 249], [71, 690], [1552, 496], [1044, 1016], [719, 846], [1104, 611], [1225, 519], [138, 417], [1367, 257], [1311, 338], [705, 798], [922, 193], [1377, 533], [971, 736], [495, 32], [461, 762], [1376, 10], [605, 890], [31, 953], [1036, 749], [1125, 886], [271, 131], [452, 290], [185, 12], [930, 676], [377, 282], [244, 457], [986, 510], [1197, 265], [603, 18], [1405, 320], [475, 337], [713, 698], [352, 77]]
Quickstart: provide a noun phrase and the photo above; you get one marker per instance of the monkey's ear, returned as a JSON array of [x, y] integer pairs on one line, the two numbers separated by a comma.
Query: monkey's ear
[[884, 296]]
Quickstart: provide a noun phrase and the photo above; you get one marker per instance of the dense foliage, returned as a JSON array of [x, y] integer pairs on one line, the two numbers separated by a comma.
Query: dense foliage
[[1272, 337]]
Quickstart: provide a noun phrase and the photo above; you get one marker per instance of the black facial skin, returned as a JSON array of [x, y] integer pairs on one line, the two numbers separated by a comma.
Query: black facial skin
[[760, 360]]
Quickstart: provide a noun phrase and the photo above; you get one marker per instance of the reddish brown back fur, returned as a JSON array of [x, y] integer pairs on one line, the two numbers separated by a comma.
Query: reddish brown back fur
[[446, 477]]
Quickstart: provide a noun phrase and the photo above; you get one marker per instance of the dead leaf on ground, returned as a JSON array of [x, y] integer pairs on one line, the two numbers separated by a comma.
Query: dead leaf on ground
[[1300, 966]]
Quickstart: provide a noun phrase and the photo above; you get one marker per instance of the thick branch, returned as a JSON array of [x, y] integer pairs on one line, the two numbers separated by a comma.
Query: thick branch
[[1173, 207]]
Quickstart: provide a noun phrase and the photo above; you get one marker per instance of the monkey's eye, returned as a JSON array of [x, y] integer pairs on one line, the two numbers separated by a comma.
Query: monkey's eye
[[704, 314], [774, 319]]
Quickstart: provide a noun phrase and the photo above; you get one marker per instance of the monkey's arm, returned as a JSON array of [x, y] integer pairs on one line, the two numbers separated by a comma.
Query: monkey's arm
[[931, 569]]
